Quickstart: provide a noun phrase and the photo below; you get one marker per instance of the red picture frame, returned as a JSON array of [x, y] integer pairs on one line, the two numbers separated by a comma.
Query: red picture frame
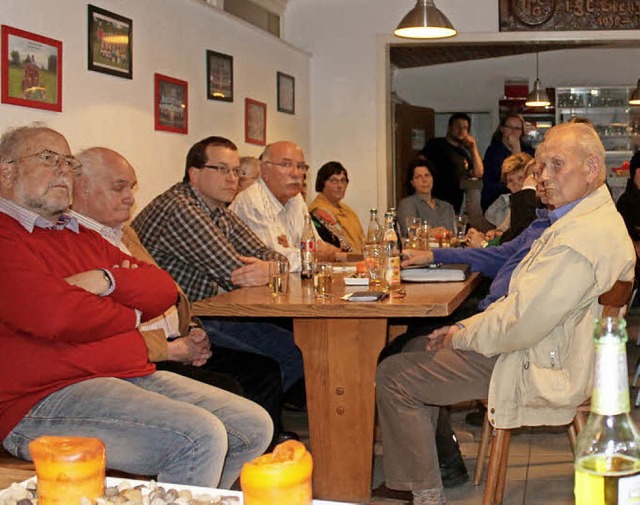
[[31, 70], [171, 104], [255, 122]]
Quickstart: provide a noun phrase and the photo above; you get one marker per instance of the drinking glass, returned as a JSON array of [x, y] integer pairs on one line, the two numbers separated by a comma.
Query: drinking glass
[[423, 236], [279, 277], [413, 225], [460, 227], [374, 257], [322, 280]]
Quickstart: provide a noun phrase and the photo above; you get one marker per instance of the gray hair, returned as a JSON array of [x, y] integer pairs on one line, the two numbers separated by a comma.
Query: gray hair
[[13, 137]]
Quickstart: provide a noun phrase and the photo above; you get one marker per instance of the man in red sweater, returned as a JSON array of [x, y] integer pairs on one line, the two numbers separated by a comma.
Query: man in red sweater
[[73, 360]]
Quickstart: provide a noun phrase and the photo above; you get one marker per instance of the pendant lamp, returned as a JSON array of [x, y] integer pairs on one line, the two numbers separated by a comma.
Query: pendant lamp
[[425, 21], [635, 96], [538, 96]]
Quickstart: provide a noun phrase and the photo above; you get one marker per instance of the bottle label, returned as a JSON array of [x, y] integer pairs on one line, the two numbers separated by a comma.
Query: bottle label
[[392, 274], [308, 245], [611, 387]]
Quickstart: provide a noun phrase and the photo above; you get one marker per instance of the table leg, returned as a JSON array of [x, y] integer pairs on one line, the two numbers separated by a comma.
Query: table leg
[[340, 358]]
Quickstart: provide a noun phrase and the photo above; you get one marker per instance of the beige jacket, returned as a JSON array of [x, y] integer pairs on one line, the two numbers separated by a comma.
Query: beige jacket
[[156, 340], [543, 328]]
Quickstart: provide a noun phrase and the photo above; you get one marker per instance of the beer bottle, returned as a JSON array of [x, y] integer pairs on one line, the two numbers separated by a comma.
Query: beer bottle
[[607, 464], [307, 249]]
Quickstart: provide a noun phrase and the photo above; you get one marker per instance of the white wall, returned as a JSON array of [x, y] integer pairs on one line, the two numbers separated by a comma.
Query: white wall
[[345, 103], [351, 81], [169, 37]]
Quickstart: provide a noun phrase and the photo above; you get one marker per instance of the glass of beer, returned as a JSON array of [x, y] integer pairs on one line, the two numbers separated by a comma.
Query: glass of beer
[[374, 256], [322, 280], [279, 277]]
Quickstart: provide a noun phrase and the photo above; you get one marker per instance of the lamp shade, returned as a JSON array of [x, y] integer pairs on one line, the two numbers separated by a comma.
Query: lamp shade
[[425, 21], [538, 96], [634, 99]]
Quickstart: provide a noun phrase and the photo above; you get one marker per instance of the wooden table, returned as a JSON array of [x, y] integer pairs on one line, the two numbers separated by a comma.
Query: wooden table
[[340, 343]]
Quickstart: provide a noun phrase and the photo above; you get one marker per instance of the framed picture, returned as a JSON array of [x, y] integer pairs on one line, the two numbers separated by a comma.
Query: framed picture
[[110, 41], [171, 104], [31, 70], [286, 93], [255, 122], [219, 76]]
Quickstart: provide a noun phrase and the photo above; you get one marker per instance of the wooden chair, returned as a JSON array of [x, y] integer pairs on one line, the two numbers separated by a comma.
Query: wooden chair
[[614, 304]]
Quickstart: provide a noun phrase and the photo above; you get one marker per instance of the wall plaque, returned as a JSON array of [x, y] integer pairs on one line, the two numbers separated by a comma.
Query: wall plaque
[[557, 15]]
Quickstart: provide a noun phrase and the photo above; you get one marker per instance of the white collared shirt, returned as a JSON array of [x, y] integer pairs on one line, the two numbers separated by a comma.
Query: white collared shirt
[[261, 211]]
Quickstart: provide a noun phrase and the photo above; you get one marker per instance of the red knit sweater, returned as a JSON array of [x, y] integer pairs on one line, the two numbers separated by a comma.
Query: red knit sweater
[[53, 334]]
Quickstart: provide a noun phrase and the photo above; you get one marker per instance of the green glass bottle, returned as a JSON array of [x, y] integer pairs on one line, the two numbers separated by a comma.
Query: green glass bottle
[[607, 464]]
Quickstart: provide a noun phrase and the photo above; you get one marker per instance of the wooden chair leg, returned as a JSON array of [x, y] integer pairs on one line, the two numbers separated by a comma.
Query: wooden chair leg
[[497, 449], [485, 440], [573, 437], [504, 462]]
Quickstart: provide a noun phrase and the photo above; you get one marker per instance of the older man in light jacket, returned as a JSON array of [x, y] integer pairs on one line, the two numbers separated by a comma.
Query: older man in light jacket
[[531, 352]]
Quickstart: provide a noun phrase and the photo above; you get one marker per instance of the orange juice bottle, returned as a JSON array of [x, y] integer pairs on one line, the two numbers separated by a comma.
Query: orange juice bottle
[[283, 476], [68, 468]]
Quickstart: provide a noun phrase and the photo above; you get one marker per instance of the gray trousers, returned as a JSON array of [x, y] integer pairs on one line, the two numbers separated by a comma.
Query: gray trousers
[[410, 388]]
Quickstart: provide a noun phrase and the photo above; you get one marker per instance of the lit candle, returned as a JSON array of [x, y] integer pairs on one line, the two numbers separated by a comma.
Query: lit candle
[[283, 476], [68, 469]]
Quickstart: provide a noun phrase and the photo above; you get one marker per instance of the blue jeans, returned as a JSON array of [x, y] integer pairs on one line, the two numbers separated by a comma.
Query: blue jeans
[[163, 424], [260, 337]]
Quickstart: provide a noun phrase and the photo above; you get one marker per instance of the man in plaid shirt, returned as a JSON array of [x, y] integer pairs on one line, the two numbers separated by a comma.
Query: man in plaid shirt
[[206, 248]]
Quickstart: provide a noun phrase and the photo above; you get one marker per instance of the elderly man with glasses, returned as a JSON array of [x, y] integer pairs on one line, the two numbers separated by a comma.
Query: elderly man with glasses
[[206, 248], [73, 360], [274, 208]]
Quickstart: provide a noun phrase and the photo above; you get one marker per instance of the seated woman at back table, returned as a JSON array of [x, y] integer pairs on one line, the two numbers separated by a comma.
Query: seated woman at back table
[[438, 213], [337, 223]]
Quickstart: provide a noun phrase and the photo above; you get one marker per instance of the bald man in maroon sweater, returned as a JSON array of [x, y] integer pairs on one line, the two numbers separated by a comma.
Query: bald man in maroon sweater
[[73, 362]]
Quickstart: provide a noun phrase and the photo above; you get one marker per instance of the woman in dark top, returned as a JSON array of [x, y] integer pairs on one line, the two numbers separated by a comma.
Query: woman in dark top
[[506, 140]]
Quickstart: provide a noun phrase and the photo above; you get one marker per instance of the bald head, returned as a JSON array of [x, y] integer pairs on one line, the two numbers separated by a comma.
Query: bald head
[[103, 191], [283, 169], [570, 163]]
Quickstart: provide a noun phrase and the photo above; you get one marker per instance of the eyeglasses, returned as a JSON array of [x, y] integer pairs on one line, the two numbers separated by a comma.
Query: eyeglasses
[[223, 169], [52, 159], [335, 180], [303, 167]]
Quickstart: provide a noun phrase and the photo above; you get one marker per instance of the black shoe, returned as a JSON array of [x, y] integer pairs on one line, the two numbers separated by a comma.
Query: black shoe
[[454, 473], [383, 491], [283, 436], [475, 417]]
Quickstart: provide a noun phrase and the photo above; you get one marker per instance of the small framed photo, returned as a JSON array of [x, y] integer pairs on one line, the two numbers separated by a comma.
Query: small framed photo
[[31, 70], [110, 43], [286, 93], [255, 122], [219, 76], [171, 104]]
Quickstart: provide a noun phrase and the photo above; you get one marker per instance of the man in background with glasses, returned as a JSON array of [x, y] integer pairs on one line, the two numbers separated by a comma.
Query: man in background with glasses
[[73, 360], [207, 249], [274, 208]]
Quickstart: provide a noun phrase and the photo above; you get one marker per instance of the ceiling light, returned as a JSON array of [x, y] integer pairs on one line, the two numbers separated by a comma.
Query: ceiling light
[[538, 96], [635, 96], [425, 21]]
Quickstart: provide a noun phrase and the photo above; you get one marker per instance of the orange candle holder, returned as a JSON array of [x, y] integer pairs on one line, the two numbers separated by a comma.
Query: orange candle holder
[[283, 476], [68, 469]]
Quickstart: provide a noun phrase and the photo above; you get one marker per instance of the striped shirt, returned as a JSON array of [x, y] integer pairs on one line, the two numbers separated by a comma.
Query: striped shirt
[[198, 246]]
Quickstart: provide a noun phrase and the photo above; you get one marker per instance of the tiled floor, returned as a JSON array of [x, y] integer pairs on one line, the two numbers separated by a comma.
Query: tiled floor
[[540, 468]]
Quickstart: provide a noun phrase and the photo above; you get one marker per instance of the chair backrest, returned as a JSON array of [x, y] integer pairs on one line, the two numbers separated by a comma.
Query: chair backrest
[[616, 300]]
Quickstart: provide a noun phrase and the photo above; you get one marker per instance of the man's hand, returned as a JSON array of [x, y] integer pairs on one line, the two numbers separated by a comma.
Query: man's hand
[[469, 142], [282, 240], [413, 257], [93, 281], [475, 238], [442, 338], [194, 349], [255, 272], [325, 251]]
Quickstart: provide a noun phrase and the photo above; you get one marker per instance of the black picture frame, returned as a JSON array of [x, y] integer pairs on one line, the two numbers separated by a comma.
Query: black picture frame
[[219, 76], [286, 85], [110, 43]]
